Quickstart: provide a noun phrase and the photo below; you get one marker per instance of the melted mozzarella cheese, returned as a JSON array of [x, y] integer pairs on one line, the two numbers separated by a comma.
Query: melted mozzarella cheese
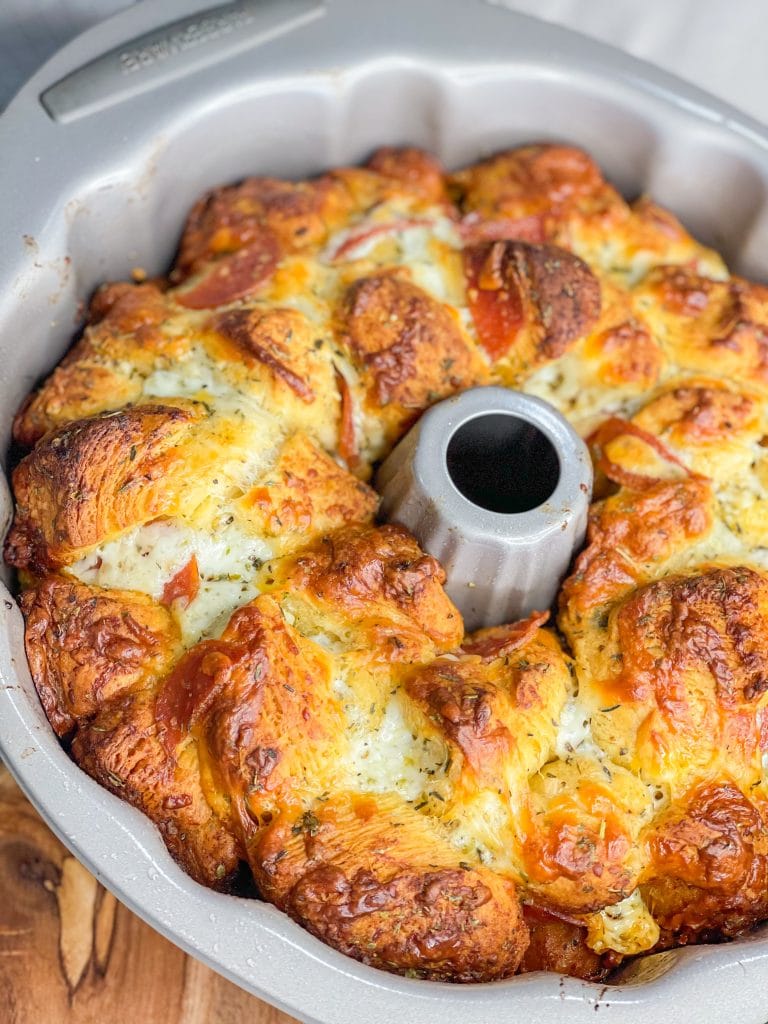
[[217, 385], [385, 756], [148, 557], [721, 545], [626, 927], [427, 252], [574, 734], [426, 245], [571, 385], [482, 830], [242, 439], [193, 377]]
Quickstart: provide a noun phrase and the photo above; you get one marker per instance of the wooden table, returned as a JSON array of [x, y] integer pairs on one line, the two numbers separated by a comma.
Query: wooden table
[[71, 954]]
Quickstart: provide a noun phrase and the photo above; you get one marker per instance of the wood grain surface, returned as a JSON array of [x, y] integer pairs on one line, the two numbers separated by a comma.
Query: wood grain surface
[[71, 954]]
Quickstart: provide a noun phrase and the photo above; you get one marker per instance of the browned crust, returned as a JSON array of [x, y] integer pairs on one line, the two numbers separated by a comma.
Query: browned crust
[[413, 170], [260, 705], [266, 339], [88, 381], [287, 217], [444, 923], [92, 479], [305, 494], [384, 889], [629, 353], [534, 193], [77, 388], [578, 852], [698, 414], [718, 327], [410, 348], [292, 215], [86, 646], [127, 308], [711, 623], [709, 865], [121, 750], [379, 580], [628, 535], [486, 699], [97, 657]]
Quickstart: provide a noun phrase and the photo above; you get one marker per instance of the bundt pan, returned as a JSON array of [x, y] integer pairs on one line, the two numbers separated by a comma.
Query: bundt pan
[[105, 149]]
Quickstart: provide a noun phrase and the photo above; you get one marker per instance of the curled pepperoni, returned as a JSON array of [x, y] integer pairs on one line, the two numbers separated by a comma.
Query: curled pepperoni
[[191, 689], [615, 427], [498, 312], [544, 290], [233, 276], [500, 640], [359, 238]]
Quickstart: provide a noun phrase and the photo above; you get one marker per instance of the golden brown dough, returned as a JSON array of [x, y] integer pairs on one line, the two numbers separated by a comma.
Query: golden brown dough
[[414, 170], [385, 890], [124, 322], [717, 327], [376, 585], [497, 701], [94, 478], [259, 211], [294, 216], [710, 862], [260, 704], [120, 748], [97, 658], [305, 494], [410, 350], [87, 646], [534, 193]]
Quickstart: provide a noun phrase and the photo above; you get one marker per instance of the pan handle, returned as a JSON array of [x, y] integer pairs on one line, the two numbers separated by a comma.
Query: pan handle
[[172, 51]]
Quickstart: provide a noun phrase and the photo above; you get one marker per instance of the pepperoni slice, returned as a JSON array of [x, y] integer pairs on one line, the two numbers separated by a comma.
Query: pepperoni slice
[[347, 440], [359, 238], [184, 586], [496, 642], [496, 305], [191, 689], [513, 285], [474, 228], [615, 427], [233, 276]]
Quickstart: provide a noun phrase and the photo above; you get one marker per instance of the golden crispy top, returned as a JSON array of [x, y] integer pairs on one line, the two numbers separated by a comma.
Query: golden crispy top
[[226, 638]]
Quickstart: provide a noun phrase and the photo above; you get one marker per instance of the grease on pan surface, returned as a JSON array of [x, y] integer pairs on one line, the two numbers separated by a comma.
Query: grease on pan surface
[[224, 637]]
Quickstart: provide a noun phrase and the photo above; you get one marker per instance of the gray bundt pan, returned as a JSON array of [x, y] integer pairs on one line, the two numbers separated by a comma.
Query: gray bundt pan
[[96, 178]]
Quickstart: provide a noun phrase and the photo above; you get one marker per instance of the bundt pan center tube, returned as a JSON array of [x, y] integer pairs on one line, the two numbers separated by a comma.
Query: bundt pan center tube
[[173, 98], [496, 485]]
